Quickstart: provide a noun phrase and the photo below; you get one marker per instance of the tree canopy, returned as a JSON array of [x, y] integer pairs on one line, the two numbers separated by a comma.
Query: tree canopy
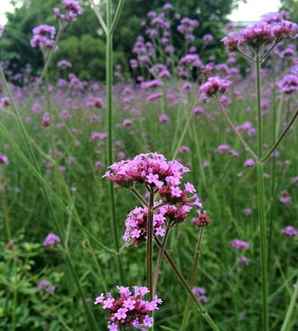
[[83, 46]]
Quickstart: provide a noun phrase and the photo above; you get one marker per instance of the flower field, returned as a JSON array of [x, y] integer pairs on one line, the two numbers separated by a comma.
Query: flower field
[[164, 197]]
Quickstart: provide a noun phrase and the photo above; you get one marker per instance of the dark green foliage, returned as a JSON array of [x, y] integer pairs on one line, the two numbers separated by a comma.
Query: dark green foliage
[[84, 47]]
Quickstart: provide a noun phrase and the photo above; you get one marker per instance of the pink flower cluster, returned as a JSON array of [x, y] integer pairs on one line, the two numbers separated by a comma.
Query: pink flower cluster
[[3, 159], [43, 36], [136, 225], [94, 102], [213, 86], [155, 171], [51, 240], [163, 177], [70, 12], [240, 245], [288, 84], [290, 231], [152, 169], [129, 308], [261, 33]]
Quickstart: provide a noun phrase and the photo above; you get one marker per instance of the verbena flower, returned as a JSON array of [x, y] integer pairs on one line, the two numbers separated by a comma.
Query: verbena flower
[[249, 163], [285, 198], [201, 294], [46, 286], [165, 178], [136, 225], [288, 84], [3, 159], [213, 86], [154, 96], [64, 64], [94, 102], [269, 30], [69, 12], [4, 102], [51, 240], [151, 84], [46, 120], [290, 231], [240, 245], [243, 261], [43, 37], [98, 136], [129, 308]]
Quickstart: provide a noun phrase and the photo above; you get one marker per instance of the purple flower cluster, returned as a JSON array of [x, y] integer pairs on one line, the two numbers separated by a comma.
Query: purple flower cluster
[[43, 37], [213, 86], [46, 286], [94, 102], [285, 198], [51, 240], [64, 64], [129, 308], [288, 84], [290, 231], [201, 295], [187, 27], [261, 33], [4, 102], [154, 170], [98, 136], [136, 225], [3, 159], [70, 11], [246, 128], [163, 177], [240, 245]]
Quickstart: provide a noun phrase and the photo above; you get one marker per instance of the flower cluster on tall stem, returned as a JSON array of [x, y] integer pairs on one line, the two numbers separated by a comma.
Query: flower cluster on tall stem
[[166, 201], [256, 43]]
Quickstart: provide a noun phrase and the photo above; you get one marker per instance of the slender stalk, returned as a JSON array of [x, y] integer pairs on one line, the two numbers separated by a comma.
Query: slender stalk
[[203, 312], [117, 14], [281, 137], [238, 134], [149, 253], [109, 122], [159, 258], [287, 322], [273, 168], [261, 203], [195, 263]]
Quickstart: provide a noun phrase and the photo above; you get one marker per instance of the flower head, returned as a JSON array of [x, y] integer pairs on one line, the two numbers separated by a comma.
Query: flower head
[[51, 240], [46, 286], [288, 84], [290, 231], [240, 245], [3, 159], [129, 308], [69, 12], [213, 86], [201, 295], [43, 37]]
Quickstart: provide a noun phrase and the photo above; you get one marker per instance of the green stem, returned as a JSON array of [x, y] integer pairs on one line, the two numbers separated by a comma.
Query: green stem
[[287, 322], [149, 253], [261, 203], [281, 137], [109, 105], [195, 263], [238, 134], [203, 312], [159, 257]]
